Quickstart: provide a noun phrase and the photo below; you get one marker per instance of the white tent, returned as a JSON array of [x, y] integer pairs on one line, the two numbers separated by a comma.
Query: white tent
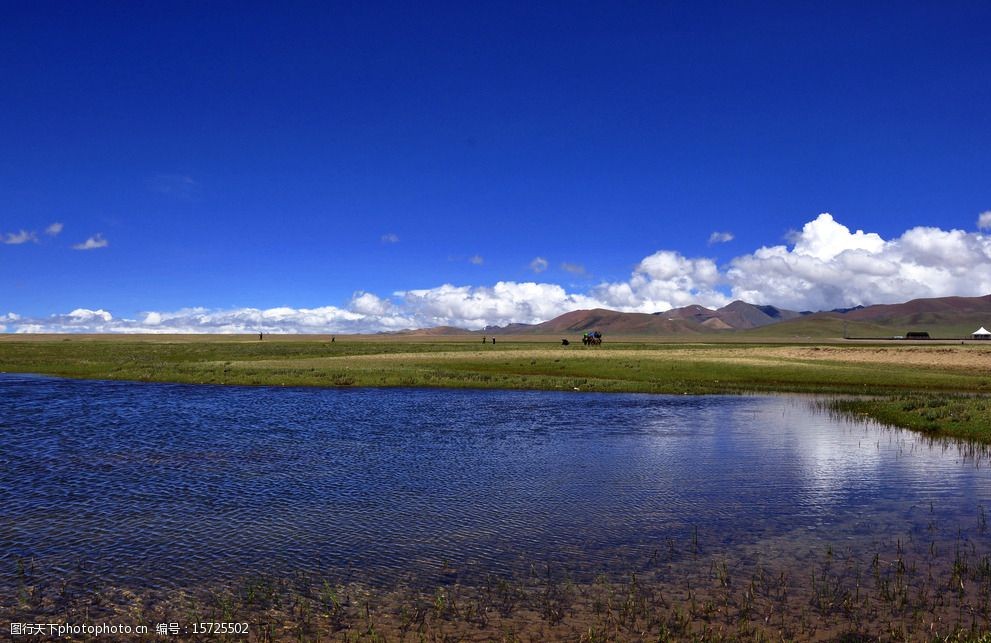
[[981, 333]]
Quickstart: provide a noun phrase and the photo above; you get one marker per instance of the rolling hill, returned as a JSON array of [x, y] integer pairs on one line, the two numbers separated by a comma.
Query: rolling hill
[[952, 317], [738, 315], [946, 317], [689, 320], [609, 322]]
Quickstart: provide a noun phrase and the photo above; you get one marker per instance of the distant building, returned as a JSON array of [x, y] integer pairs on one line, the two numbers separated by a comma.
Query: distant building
[[917, 334], [981, 333]]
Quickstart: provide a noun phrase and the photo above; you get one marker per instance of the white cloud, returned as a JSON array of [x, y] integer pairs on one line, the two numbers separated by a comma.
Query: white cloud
[[17, 238], [390, 237], [665, 280], [984, 220], [476, 260], [661, 281], [720, 237], [830, 267], [824, 239], [478, 306], [9, 317], [94, 242], [538, 265], [573, 268], [84, 316], [54, 229], [365, 303], [825, 266], [327, 319]]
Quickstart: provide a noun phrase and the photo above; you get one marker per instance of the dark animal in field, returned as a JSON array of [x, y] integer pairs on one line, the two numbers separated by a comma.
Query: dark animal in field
[[565, 342]]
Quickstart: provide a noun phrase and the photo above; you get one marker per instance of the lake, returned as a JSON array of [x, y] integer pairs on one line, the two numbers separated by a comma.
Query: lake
[[173, 486]]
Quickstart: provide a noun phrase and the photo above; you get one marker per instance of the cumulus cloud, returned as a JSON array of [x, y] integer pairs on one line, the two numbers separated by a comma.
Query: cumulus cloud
[[665, 280], [720, 237], [84, 316], [538, 265], [9, 317], [476, 260], [365, 303], [824, 239], [327, 319], [17, 238], [94, 242], [573, 268], [390, 237], [479, 306], [54, 229], [824, 266], [829, 267], [984, 220], [80, 320]]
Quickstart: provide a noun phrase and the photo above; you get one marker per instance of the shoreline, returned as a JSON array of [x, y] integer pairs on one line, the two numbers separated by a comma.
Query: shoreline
[[940, 389]]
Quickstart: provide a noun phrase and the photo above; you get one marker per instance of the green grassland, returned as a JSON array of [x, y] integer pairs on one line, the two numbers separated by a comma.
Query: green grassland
[[825, 327], [940, 388]]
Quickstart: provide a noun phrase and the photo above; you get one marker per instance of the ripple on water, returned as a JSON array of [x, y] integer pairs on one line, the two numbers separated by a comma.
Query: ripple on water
[[170, 485]]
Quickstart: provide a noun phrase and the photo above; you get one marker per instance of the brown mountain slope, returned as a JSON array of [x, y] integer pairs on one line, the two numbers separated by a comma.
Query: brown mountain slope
[[617, 323], [696, 313], [944, 306], [741, 315], [945, 316], [737, 315]]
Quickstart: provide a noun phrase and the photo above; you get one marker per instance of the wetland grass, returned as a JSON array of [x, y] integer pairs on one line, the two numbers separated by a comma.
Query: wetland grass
[[902, 589], [958, 416]]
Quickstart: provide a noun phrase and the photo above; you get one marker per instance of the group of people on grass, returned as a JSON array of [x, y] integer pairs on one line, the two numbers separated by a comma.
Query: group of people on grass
[[593, 338]]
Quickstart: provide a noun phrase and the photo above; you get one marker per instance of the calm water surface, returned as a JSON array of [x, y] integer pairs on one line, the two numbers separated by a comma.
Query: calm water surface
[[167, 485]]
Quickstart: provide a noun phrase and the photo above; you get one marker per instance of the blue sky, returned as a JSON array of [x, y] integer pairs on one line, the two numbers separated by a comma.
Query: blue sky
[[227, 166]]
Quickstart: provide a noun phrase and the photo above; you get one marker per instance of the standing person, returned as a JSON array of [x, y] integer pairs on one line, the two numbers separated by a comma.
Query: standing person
[[493, 340], [259, 336], [485, 340]]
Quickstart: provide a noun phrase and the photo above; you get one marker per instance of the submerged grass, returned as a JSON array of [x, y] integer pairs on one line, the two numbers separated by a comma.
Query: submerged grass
[[898, 590], [910, 386]]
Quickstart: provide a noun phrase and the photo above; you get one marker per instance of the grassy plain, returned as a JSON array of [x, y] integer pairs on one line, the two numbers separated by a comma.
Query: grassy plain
[[941, 388]]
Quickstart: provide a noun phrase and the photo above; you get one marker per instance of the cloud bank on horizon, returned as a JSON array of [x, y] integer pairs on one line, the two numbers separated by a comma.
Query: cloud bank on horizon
[[824, 266]]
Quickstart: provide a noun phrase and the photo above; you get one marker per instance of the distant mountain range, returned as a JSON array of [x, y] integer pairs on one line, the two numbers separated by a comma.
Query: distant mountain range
[[942, 316], [678, 321]]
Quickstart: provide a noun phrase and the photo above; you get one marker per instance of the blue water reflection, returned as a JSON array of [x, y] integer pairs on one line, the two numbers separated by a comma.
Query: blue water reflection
[[169, 485]]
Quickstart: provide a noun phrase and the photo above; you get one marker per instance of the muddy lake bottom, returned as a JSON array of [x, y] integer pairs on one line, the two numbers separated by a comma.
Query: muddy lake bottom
[[408, 514]]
